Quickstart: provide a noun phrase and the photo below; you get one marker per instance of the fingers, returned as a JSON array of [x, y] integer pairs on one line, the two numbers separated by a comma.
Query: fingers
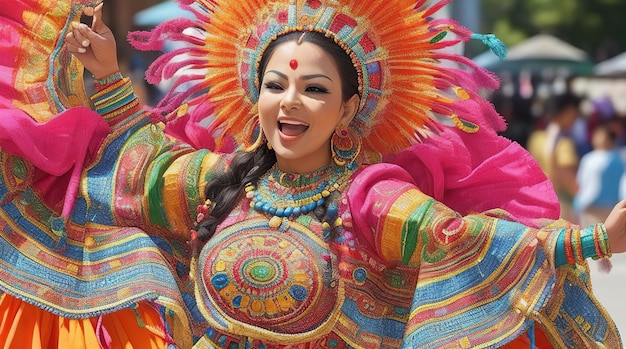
[[75, 49], [80, 35], [619, 210], [94, 45], [615, 225], [98, 25], [98, 33], [621, 204], [76, 39]]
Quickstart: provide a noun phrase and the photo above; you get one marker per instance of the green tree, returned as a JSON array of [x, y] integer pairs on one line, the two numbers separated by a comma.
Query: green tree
[[596, 26]]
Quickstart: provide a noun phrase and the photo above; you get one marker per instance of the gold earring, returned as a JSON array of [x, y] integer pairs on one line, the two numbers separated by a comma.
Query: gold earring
[[345, 145]]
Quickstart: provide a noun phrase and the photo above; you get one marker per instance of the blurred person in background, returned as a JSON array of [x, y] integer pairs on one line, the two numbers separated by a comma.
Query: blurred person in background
[[555, 150], [599, 176]]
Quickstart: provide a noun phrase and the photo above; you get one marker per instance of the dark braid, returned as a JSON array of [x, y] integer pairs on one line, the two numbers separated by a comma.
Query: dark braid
[[226, 190]]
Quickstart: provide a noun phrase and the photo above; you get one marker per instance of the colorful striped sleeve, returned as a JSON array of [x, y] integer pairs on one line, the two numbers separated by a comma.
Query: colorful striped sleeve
[[142, 177], [481, 279]]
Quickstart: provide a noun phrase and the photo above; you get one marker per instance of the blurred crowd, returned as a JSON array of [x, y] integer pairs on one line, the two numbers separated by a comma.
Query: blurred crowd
[[580, 143]]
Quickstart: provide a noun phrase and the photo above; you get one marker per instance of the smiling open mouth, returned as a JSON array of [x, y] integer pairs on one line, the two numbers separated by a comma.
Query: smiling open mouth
[[292, 128]]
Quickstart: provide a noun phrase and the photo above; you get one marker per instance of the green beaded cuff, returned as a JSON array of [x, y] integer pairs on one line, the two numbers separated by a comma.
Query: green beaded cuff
[[574, 245], [108, 79]]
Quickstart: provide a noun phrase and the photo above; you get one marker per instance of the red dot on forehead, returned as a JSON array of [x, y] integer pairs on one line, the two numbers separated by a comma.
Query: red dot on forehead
[[293, 64]]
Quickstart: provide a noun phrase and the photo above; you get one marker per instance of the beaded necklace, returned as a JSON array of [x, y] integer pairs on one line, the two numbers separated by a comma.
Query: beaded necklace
[[285, 195]]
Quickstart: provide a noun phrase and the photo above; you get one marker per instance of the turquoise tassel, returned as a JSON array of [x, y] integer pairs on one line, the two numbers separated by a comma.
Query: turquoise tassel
[[531, 335], [491, 41]]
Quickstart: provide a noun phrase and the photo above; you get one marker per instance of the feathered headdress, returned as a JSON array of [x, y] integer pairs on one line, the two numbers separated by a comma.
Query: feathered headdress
[[398, 48]]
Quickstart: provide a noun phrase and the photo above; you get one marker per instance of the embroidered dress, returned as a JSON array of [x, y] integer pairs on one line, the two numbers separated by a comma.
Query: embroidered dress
[[292, 284], [436, 246]]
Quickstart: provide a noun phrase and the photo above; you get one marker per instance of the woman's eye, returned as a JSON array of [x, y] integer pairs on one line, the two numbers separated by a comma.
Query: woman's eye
[[273, 86], [317, 89]]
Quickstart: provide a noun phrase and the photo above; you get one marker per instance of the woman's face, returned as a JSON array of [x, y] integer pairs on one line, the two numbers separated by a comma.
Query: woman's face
[[300, 105]]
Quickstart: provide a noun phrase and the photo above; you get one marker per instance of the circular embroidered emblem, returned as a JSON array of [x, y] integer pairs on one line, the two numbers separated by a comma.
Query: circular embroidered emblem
[[268, 278]]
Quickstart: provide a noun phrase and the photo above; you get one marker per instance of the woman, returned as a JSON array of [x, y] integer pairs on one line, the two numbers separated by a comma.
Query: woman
[[300, 243]]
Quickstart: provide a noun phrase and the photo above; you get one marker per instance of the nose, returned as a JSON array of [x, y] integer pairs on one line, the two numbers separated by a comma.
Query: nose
[[291, 99]]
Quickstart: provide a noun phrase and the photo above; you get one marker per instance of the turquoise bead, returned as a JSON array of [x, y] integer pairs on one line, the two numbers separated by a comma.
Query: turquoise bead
[[258, 205]]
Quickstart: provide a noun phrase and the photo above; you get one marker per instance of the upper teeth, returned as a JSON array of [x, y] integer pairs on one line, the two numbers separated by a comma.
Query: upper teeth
[[293, 123]]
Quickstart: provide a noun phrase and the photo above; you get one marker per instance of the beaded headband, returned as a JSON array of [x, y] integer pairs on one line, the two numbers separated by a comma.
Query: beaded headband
[[398, 48], [327, 33]]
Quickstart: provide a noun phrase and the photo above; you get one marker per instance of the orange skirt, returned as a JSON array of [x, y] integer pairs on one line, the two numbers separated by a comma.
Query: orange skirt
[[523, 341], [23, 326], [26, 326]]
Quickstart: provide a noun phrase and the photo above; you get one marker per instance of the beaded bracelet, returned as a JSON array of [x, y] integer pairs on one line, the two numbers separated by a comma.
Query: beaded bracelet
[[115, 99], [574, 245], [569, 251], [108, 79], [579, 246], [601, 241], [559, 250]]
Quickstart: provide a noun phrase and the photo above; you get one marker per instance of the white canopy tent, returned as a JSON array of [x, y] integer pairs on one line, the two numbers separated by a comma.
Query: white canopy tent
[[539, 52], [611, 67], [544, 46]]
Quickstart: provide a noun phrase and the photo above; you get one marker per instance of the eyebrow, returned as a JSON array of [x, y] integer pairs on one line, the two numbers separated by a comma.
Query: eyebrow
[[305, 77]]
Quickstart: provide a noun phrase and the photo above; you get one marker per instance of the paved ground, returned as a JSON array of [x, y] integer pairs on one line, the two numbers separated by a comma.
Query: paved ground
[[610, 289]]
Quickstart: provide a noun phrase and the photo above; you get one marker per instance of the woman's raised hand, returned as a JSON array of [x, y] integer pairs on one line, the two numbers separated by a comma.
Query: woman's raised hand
[[615, 225], [94, 46]]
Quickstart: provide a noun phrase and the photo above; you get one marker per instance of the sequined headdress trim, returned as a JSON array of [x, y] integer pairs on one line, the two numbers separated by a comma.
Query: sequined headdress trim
[[410, 82]]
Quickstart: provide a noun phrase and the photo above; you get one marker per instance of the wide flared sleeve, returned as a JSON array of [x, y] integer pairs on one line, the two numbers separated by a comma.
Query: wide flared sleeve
[[95, 206], [482, 280], [144, 177]]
